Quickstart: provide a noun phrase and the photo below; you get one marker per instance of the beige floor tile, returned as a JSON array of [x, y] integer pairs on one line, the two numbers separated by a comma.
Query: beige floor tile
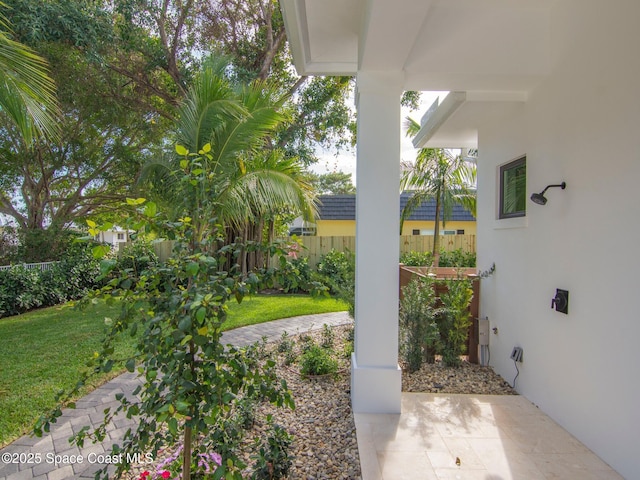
[[393, 438], [460, 474], [462, 449], [503, 460], [544, 437], [406, 466], [569, 466], [434, 442], [592, 462], [495, 438]]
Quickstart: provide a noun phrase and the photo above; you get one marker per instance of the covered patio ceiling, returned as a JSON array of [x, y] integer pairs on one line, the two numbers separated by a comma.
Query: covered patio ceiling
[[493, 52]]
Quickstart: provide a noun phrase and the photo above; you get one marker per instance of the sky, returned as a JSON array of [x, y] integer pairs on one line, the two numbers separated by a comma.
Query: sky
[[346, 161]]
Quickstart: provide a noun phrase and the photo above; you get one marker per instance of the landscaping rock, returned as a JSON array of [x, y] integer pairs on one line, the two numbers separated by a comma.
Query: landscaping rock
[[325, 445]]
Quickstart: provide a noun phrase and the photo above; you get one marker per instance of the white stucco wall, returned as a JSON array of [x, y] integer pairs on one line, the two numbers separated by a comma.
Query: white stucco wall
[[581, 125]]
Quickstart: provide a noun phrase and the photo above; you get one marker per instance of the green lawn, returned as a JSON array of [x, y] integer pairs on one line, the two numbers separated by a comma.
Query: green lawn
[[42, 352], [264, 308]]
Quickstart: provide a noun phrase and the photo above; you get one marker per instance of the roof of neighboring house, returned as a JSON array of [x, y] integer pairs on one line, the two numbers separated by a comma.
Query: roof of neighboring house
[[343, 207]]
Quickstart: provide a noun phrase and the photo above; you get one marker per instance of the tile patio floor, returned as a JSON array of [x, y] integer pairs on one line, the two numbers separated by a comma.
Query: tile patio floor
[[495, 437]]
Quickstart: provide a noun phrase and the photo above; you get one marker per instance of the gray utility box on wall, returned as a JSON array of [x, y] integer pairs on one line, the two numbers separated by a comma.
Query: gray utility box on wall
[[483, 332]]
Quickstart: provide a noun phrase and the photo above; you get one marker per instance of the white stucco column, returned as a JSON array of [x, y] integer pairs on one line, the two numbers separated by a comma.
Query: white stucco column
[[375, 375]]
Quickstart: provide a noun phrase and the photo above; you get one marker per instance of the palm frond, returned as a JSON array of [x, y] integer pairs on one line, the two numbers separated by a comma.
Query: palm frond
[[27, 93], [209, 105]]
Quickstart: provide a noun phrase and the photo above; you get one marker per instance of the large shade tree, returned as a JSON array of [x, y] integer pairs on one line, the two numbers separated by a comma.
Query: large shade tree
[[106, 129], [137, 60], [437, 174]]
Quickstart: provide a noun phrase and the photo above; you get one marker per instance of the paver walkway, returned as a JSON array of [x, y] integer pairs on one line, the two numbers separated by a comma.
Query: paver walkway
[[53, 458]]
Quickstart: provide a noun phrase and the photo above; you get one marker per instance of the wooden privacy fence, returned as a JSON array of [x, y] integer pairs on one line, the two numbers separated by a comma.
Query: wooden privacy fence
[[316, 247]]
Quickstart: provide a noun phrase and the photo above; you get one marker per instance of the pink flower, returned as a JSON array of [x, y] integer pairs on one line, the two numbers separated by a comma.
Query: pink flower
[[294, 248], [165, 474], [144, 475]]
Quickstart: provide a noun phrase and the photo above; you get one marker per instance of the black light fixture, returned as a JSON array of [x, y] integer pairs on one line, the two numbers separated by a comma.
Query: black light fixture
[[540, 199]]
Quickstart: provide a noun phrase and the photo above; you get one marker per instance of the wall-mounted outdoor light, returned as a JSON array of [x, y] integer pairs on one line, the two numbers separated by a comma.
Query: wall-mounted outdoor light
[[540, 199]]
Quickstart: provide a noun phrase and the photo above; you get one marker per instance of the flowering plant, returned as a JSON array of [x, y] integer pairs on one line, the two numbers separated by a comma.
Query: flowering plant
[[170, 467]]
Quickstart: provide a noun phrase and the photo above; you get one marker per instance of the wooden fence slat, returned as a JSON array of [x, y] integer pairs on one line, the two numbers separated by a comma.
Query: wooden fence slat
[[316, 247]]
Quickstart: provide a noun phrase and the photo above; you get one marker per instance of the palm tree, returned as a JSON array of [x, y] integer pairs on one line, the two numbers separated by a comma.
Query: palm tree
[[437, 174], [248, 180], [27, 93]]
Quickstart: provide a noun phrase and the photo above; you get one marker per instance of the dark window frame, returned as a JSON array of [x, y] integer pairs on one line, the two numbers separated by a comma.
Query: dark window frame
[[520, 190]]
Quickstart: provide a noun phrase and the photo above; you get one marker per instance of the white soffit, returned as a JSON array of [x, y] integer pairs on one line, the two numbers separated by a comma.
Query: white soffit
[[454, 122], [323, 35], [461, 45]]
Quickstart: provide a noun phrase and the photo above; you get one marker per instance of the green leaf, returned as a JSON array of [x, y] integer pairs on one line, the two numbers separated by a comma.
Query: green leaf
[[91, 223], [150, 209], [182, 151], [184, 163], [203, 331], [206, 148], [192, 269], [182, 407], [173, 426], [130, 365], [200, 314], [100, 251], [108, 365], [185, 324], [239, 296]]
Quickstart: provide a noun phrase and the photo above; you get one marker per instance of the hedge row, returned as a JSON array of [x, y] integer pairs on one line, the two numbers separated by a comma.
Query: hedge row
[[75, 275]]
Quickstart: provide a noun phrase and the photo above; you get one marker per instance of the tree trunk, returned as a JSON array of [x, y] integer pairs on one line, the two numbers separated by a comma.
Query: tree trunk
[[436, 233], [186, 455]]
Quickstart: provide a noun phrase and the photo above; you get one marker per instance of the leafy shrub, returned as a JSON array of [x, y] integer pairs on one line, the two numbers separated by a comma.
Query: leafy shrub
[[20, 290], [286, 346], [318, 361], [23, 289], [456, 320], [454, 258], [348, 347], [457, 258], [75, 275], [418, 329], [293, 276], [328, 337], [417, 259], [274, 459], [337, 270], [136, 257]]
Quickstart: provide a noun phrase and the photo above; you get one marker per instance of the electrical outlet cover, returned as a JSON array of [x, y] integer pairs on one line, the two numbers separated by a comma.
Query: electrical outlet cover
[[516, 354]]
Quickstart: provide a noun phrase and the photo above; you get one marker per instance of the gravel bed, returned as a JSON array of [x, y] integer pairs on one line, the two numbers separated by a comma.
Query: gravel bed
[[325, 446], [469, 378]]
